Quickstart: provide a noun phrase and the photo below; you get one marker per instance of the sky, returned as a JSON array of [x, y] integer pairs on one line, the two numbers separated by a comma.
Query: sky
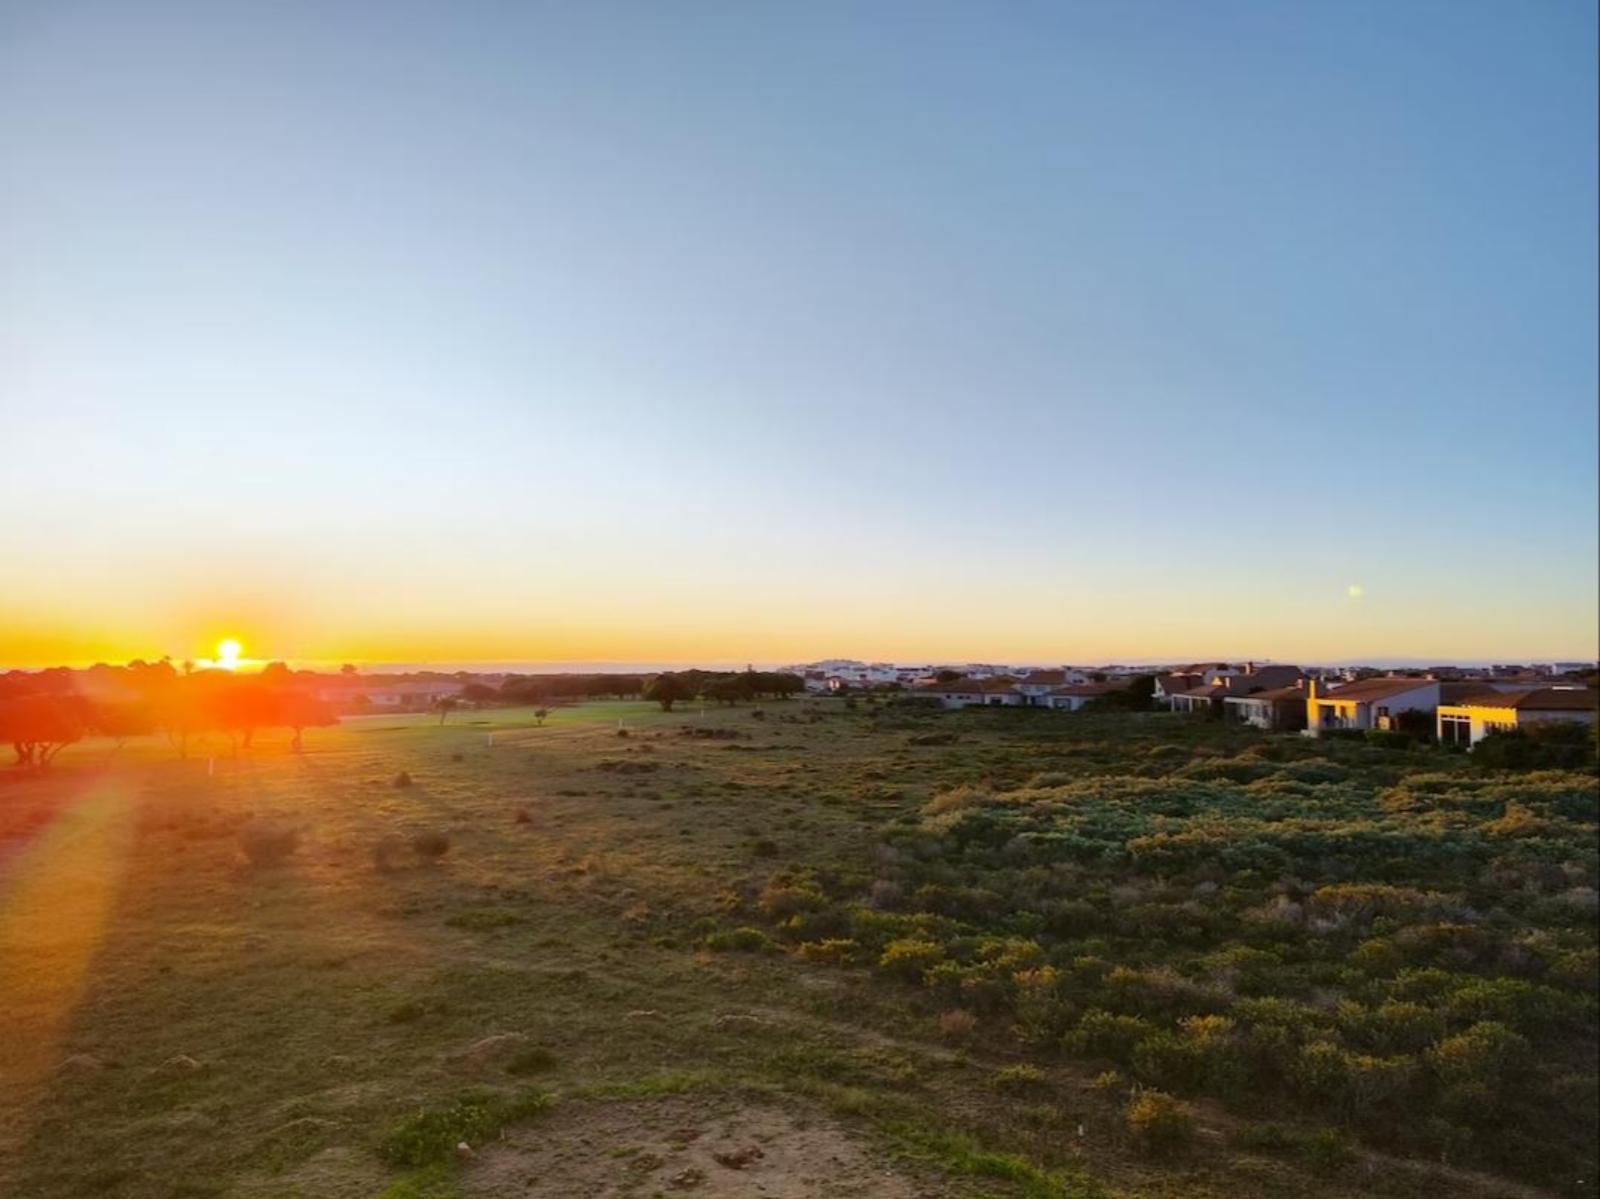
[[757, 331]]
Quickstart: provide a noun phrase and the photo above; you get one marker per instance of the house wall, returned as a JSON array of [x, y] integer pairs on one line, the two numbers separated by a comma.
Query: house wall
[[1363, 714], [1485, 720], [1255, 715]]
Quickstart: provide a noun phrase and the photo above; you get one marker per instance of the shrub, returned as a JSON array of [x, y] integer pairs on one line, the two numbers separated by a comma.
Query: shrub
[[787, 899], [401, 780], [1478, 1055], [910, 958], [1021, 1077], [1389, 739], [1327, 1152], [431, 1136], [957, 1024], [430, 846], [834, 951], [1159, 1121], [1104, 1034], [1169, 1061], [266, 844], [523, 816]]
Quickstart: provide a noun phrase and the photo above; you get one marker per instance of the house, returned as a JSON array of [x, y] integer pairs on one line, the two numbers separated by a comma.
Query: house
[[1279, 709], [402, 697], [1367, 704], [1075, 695], [1001, 691], [958, 693], [1262, 678], [1208, 698], [1205, 700], [1469, 720], [1004, 691], [1037, 685], [1170, 685]]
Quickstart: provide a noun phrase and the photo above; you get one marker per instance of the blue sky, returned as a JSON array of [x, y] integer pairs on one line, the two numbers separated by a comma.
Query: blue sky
[[1055, 331]]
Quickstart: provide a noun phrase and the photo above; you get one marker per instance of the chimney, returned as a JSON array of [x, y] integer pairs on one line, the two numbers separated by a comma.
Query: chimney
[[1311, 687]]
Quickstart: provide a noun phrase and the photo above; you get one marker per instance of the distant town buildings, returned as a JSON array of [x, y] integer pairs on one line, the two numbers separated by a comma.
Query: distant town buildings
[[1463, 704]]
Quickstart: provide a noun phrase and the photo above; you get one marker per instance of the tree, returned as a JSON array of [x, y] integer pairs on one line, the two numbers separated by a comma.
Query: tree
[[666, 690], [348, 670], [445, 705], [539, 715], [41, 726], [300, 710]]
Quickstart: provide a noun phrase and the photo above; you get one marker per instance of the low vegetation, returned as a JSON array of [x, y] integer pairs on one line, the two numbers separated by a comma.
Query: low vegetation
[[1016, 954]]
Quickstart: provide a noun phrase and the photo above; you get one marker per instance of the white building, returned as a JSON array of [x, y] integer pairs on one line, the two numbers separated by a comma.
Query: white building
[[1368, 704], [1075, 695], [1470, 720]]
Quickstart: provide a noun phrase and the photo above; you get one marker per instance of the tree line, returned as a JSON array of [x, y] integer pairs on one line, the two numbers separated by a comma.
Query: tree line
[[666, 689], [41, 714]]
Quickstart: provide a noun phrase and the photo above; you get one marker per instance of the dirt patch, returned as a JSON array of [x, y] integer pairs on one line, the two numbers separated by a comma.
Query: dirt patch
[[692, 1146], [338, 1172]]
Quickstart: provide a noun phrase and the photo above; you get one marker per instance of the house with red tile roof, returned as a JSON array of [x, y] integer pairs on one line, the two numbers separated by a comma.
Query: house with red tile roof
[[1471, 719], [1368, 704]]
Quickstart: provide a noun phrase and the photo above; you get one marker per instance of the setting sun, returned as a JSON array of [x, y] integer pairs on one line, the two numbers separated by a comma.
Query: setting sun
[[228, 654]]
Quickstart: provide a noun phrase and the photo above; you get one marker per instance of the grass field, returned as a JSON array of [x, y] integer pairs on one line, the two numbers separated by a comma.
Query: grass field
[[659, 962]]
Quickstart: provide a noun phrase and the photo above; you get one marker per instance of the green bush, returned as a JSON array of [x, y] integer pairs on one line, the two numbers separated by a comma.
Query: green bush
[[1390, 739], [1105, 1034], [910, 958], [431, 1135], [268, 844], [1159, 1121]]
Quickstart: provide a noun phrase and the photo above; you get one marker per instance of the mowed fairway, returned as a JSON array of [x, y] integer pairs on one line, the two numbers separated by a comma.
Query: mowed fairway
[[181, 1022]]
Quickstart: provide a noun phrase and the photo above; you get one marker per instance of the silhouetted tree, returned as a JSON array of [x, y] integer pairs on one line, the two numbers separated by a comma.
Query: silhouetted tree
[[41, 726], [668, 689]]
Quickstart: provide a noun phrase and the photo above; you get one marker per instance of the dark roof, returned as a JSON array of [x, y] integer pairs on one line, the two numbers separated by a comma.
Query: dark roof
[[1282, 673], [1046, 677], [954, 687], [1086, 689], [1371, 689], [1276, 693], [1210, 692], [1537, 699]]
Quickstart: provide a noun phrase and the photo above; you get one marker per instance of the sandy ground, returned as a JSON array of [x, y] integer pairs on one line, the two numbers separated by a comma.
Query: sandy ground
[[715, 1149]]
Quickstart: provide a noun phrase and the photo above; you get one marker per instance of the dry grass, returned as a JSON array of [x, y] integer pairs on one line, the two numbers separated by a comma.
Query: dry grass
[[324, 1003]]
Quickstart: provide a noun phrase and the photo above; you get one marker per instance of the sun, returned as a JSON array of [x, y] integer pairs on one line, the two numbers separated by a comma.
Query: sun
[[228, 654]]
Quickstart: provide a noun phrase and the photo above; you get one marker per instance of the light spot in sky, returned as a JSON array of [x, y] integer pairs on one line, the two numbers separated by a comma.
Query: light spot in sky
[[1355, 591]]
